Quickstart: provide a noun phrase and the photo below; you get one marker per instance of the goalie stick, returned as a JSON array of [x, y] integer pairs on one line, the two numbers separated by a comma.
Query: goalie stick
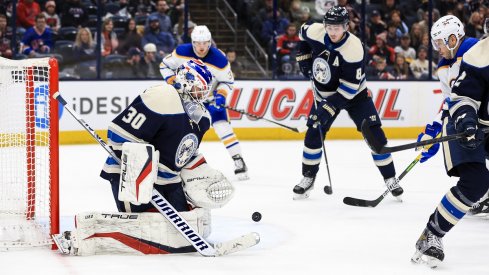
[[294, 129], [169, 212], [378, 148]]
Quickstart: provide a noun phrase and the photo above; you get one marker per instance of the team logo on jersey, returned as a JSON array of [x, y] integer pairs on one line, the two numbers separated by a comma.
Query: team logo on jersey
[[186, 149], [321, 71]]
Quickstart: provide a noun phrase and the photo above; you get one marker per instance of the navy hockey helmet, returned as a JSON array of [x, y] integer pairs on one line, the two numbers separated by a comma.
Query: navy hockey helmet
[[336, 15]]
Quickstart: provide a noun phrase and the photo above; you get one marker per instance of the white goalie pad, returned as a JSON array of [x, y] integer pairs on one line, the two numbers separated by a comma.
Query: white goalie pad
[[130, 233], [139, 171], [206, 187]]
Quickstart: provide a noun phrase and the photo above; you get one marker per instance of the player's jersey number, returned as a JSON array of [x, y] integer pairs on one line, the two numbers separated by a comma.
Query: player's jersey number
[[134, 118]]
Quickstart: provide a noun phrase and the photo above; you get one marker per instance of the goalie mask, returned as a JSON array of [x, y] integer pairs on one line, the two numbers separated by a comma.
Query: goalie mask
[[193, 81]]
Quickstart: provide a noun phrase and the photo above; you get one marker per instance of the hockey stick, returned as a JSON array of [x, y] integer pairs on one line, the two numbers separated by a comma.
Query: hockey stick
[[373, 203], [169, 212], [378, 148], [295, 129], [328, 189]]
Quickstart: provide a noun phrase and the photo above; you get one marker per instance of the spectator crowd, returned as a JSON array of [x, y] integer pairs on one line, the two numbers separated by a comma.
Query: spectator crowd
[[136, 34]]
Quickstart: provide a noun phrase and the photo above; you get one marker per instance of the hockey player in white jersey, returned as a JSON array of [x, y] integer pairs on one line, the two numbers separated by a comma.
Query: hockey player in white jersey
[[156, 139], [220, 68], [335, 61], [466, 111]]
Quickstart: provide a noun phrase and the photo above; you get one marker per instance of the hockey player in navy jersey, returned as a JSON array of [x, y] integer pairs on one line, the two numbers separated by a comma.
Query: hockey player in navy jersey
[[468, 113], [448, 37], [156, 139], [334, 59], [220, 68]]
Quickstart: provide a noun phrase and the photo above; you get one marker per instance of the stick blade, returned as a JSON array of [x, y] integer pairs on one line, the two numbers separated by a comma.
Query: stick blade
[[370, 139], [238, 244], [358, 202]]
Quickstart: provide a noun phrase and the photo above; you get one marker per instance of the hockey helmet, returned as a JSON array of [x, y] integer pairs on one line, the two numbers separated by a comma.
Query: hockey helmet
[[200, 34], [336, 15], [193, 79], [445, 27]]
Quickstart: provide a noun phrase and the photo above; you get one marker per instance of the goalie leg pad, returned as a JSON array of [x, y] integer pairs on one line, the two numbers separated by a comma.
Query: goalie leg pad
[[206, 187], [131, 233]]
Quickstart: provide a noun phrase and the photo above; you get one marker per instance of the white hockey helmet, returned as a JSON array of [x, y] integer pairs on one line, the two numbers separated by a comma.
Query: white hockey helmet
[[444, 28], [193, 79], [201, 34]]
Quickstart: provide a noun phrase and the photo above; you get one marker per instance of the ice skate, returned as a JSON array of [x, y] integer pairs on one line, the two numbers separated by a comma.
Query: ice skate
[[480, 209], [393, 186], [64, 242], [429, 249], [302, 190], [241, 170]]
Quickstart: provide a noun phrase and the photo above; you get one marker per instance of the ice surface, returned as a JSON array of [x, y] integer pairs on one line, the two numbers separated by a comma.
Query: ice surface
[[319, 235]]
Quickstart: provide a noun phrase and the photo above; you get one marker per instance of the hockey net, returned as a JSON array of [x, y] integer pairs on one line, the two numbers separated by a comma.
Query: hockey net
[[29, 211]]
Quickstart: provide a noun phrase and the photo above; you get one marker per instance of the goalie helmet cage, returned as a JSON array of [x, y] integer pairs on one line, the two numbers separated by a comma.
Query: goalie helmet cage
[[29, 172]]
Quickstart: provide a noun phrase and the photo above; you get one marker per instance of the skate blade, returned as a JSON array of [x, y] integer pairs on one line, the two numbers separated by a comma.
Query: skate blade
[[57, 238], [242, 176], [301, 196], [398, 198], [419, 258]]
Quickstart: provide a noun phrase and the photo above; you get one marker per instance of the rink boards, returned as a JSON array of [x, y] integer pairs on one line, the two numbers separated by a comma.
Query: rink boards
[[404, 107]]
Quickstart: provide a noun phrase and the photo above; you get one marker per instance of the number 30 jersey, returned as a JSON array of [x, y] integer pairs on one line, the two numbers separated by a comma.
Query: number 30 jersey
[[157, 117]]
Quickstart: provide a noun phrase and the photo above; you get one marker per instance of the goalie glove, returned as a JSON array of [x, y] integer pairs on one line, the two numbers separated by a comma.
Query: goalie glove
[[430, 132], [206, 187], [139, 171]]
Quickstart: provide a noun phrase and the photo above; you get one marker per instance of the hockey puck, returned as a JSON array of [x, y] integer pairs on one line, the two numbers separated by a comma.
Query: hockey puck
[[256, 216], [328, 190]]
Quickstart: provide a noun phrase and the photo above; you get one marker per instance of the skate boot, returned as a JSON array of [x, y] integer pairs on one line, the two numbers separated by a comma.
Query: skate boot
[[302, 190], [65, 243], [480, 209], [393, 186], [241, 170], [429, 249]]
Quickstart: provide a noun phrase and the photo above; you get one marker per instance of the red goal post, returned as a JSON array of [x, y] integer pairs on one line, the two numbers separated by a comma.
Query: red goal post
[[29, 152]]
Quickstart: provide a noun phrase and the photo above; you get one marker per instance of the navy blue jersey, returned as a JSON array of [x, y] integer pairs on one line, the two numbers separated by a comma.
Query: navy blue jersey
[[471, 88], [338, 68], [157, 117]]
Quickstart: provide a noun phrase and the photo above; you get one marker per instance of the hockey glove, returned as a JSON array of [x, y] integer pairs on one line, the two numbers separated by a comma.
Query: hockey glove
[[305, 64], [322, 114], [467, 123], [430, 132], [219, 102]]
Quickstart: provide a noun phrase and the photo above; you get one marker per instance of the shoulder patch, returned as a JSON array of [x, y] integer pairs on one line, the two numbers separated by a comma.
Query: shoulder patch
[[315, 31], [163, 99], [477, 55], [352, 50]]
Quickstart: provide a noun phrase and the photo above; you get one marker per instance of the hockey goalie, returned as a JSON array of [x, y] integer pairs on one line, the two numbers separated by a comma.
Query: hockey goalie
[[155, 140]]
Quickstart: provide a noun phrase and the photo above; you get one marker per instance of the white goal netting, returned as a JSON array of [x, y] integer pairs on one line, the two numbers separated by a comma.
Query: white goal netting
[[28, 153]]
